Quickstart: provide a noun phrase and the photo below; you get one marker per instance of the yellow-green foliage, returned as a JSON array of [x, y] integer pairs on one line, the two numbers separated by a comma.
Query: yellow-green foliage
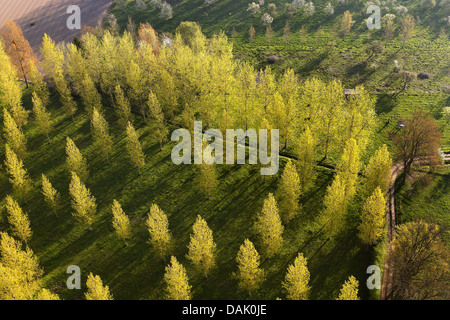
[[177, 282], [19, 221], [202, 247], [349, 290], [373, 218], [158, 228], [269, 226], [134, 148], [96, 290], [296, 282], [18, 176], [121, 222], [21, 275], [289, 192], [75, 160], [249, 273], [83, 203]]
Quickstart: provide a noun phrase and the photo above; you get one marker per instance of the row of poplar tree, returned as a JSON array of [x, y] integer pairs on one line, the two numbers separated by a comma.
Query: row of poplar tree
[[173, 85]]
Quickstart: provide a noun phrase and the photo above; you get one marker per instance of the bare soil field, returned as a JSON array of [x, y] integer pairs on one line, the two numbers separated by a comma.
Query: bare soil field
[[37, 17]]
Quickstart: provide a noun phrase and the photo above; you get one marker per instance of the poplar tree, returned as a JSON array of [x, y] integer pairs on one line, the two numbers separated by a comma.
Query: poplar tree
[[349, 290], [296, 282], [249, 273], [137, 90], [51, 195], [305, 149], [177, 282], [269, 227], [38, 85], [96, 290], [158, 228], [53, 64], [77, 71], [21, 275], [18, 176], [10, 89], [121, 222], [19, 221], [41, 115], [90, 96], [335, 204], [349, 166], [157, 115], [13, 135], [122, 107], [346, 23], [75, 160], [289, 192], [134, 148], [83, 203], [245, 79], [279, 117], [202, 247], [373, 218], [377, 173], [100, 133], [166, 92]]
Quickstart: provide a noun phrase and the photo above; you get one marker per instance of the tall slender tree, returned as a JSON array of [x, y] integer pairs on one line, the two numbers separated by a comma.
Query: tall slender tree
[[373, 218], [155, 112], [349, 290], [18, 176], [269, 226], [121, 222], [134, 148], [296, 282], [14, 136], [43, 118], [83, 203], [289, 192], [123, 108], [158, 228], [249, 273], [75, 160], [21, 274], [51, 195], [96, 290], [202, 247], [100, 133], [19, 221], [177, 282]]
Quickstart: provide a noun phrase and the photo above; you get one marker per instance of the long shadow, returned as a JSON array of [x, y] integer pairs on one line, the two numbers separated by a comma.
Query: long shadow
[[385, 103]]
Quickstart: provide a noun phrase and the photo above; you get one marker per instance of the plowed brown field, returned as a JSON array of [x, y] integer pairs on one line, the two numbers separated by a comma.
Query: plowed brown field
[[50, 16]]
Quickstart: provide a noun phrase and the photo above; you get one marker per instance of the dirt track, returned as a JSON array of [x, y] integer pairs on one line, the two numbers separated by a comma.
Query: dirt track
[[49, 16]]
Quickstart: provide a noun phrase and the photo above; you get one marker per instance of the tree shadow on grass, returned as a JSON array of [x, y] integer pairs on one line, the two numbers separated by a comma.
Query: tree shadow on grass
[[385, 103]]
